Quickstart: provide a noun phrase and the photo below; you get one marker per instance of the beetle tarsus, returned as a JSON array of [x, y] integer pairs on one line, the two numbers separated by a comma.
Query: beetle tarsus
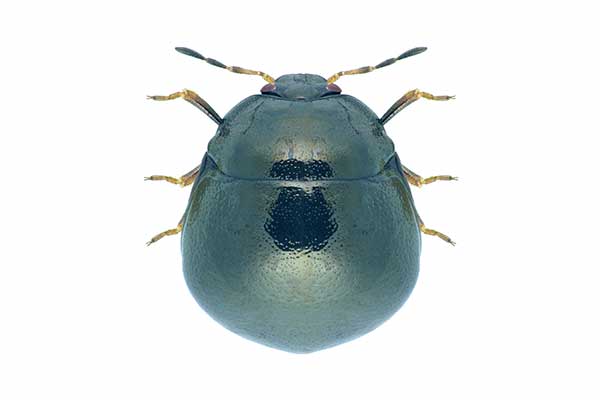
[[433, 232], [161, 235], [183, 181], [431, 179], [170, 179], [416, 180], [168, 232]]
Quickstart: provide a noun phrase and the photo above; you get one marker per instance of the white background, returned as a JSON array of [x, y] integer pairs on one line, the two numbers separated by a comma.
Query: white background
[[88, 312]]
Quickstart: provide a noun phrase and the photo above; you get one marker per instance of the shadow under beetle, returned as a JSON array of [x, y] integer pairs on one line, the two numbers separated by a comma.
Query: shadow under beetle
[[300, 232]]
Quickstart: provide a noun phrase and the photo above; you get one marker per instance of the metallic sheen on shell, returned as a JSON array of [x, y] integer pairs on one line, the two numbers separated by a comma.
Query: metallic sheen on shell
[[300, 231]]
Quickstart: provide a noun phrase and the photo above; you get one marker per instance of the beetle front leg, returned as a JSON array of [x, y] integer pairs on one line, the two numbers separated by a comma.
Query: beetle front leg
[[408, 98], [417, 180], [168, 232], [192, 98], [182, 181]]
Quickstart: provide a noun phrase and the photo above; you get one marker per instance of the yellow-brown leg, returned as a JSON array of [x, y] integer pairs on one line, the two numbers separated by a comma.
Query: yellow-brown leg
[[433, 232], [408, 98], [417, 180], [168, 232], [183, 181], [192, 98]]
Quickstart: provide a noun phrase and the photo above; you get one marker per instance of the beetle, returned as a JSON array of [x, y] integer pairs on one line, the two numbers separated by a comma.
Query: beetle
[[300, 232]]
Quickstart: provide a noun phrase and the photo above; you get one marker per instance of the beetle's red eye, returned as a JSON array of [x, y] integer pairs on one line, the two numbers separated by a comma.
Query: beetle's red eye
[[332, 87], [269, 87]]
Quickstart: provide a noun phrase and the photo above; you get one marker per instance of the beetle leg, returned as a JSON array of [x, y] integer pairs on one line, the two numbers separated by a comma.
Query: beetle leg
[[168, 232], [195, 100], [408, 98], [417, 180], [183, 181], [432, 232]]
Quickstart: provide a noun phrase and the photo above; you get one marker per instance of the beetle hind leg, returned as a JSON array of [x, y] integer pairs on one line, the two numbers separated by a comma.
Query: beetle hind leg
[[433, 232], [168, 232], [183, 181], [417, 180]]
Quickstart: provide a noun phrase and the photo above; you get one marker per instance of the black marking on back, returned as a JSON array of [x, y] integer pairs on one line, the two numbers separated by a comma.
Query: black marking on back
[[297, 170], [301, 220]]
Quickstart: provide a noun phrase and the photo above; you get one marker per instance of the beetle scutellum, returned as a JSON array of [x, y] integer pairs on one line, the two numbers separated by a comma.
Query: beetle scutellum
[[301, 232]]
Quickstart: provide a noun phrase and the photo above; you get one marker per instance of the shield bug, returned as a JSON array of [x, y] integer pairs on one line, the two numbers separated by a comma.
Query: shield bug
[[300, 232]]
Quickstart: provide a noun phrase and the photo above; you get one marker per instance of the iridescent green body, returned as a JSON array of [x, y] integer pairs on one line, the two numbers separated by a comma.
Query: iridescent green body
[[300, 232]]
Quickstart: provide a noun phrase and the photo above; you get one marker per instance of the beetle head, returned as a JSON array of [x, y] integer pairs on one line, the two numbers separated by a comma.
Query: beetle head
[[300, 87]]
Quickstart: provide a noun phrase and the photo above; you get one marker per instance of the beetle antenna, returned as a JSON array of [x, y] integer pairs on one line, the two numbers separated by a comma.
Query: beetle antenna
[[390, 61], [238, 70]]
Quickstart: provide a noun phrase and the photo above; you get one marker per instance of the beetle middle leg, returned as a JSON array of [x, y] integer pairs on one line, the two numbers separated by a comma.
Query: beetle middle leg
[[433, 232], [409, 98], [168, 232], [417, 180], [183, 181], [192, 98]]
